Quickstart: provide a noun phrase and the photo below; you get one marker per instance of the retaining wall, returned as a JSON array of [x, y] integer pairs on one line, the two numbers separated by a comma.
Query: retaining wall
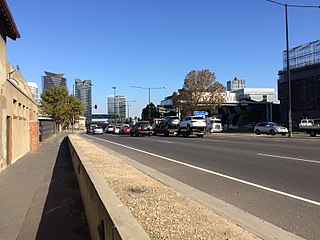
[[108, 218]]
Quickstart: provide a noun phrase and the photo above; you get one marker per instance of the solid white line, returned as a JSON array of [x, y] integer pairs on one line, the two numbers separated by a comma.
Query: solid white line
[[288, 158], [216, 173], [164, 141]]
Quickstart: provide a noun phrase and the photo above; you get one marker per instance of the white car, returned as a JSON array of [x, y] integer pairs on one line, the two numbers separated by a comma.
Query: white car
[[116, 129], [110, 128], [191, 123], [270, 128], [98, 130]]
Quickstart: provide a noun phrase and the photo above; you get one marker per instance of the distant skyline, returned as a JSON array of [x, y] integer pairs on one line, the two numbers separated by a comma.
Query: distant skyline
[[144, 43]]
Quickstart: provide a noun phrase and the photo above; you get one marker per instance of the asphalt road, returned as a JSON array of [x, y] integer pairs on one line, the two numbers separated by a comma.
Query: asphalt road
[[272, 177]]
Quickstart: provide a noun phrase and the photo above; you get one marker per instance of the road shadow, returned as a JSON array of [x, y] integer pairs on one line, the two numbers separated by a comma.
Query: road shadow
[[63, 216]]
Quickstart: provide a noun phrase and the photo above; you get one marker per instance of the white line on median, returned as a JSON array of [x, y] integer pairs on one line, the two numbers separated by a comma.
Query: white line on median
[[215, 173], [288, 158]]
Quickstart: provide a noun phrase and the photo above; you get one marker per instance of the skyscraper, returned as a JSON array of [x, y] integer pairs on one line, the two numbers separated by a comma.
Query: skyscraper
[[116, 105], [34, 90], [83, 92], [236, 84], [53, 80]]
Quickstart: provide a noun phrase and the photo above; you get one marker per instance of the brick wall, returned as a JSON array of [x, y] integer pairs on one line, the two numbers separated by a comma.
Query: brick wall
[[34, 136]]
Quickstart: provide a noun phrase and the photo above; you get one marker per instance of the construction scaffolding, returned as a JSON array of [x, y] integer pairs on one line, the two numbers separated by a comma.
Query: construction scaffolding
[[303, 55]]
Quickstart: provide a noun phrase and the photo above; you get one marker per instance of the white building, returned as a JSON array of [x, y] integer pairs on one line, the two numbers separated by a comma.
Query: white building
[[256, 94], [34, 91], [116, 105], [236, 84]]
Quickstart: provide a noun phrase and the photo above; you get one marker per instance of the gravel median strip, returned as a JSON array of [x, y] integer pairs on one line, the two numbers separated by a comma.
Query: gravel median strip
[[161, 211]]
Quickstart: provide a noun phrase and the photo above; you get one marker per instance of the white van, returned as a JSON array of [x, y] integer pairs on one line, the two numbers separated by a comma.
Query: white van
[[213, 124]]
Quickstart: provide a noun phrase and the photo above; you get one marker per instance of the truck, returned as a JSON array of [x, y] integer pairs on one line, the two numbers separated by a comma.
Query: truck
[[310, 126], [166, 126], [213, 125]]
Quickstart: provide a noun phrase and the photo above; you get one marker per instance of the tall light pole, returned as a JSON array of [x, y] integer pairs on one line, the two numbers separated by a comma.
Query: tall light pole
[[288, 63], [129, 106], [114, 100], [149, 89], [73, 87]]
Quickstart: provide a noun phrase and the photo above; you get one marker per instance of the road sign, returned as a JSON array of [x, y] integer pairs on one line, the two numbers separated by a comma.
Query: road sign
[[201, 113]]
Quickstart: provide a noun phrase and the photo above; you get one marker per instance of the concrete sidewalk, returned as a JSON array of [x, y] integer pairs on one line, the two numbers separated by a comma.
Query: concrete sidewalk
[[40, 198]]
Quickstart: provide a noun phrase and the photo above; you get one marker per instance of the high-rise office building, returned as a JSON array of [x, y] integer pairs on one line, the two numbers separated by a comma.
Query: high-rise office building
[[116, 105], [236, 84], [53, 80], [83, 91], [34, 91]]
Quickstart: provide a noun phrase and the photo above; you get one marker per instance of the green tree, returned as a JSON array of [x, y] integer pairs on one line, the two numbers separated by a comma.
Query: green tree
[[200, 92], [150, 111], [59, 105]]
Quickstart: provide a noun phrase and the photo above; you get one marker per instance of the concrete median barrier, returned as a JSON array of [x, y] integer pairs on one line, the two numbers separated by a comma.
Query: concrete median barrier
[[108, 218]]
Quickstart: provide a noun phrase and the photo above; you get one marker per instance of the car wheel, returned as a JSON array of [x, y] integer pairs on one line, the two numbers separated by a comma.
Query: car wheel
[[313, 134], [188, 129], [178, 128], [258, 132], [272, 132]]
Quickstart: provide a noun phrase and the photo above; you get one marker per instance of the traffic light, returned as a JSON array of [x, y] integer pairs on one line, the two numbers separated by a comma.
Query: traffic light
[[95, 106]]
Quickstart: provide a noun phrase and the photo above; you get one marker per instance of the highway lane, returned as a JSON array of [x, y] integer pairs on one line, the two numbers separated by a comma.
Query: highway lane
[[243, 171]]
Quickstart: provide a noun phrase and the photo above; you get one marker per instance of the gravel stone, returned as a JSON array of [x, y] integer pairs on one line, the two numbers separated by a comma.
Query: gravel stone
[[161, 211]]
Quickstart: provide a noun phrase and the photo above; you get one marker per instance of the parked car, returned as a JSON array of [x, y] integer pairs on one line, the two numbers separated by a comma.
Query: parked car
[[141, 128], [110, 128], [98, 130], [270, 128], [125, 130]]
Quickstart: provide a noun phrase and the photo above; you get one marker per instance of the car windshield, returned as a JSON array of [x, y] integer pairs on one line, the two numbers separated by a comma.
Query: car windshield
[[275, 124], [197, 118], [144, 124]]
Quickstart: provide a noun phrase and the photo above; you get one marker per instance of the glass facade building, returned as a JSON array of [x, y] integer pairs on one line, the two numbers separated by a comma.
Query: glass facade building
[[116, 105], [83, 91], [53, 80]]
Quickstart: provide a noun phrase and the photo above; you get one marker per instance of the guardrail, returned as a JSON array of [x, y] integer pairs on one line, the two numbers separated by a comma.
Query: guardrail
[[108, 218]]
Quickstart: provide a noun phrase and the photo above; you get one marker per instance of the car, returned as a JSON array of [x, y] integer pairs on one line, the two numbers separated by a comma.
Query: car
[[116, 129], [90, 130], [98, 130], [125, 130], [270, 128], [192, 123], [110, 128], [141, 128]]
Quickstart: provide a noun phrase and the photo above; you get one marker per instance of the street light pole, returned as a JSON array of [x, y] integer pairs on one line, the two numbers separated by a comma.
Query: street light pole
[[288, 73], [288, 63], [114, 100], [149, 89], [128, 106], [73, 86]]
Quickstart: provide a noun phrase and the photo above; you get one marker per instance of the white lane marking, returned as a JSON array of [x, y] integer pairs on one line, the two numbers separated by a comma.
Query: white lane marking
[[164, 141], [216, 173], [288, 158]]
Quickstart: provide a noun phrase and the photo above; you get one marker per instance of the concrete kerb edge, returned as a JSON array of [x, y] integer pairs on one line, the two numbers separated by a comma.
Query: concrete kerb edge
[[104, 211], [257, 226]]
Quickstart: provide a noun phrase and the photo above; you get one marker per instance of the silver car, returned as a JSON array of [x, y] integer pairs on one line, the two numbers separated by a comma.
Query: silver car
[[270, 128], [98, 130]]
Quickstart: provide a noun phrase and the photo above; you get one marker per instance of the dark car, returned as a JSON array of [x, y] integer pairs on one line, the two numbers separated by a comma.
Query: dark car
[[141, 128]]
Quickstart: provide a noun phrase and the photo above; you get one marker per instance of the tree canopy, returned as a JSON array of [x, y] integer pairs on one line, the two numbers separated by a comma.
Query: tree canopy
[[59, 105], [150, 111], [200, 92]]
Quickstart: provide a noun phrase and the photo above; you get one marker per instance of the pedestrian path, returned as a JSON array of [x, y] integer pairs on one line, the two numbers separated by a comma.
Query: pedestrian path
[[40, 198]]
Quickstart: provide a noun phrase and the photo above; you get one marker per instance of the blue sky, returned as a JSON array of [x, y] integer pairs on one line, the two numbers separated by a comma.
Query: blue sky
[[153, 43]]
